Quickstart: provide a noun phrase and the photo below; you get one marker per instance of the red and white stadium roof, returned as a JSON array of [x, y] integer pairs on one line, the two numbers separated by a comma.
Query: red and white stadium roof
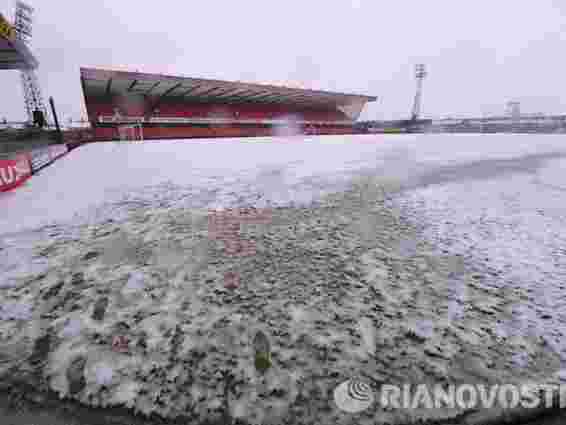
[[99, 83]]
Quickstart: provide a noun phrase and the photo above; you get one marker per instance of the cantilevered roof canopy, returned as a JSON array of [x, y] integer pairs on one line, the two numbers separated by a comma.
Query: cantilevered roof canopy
[[106, 83]]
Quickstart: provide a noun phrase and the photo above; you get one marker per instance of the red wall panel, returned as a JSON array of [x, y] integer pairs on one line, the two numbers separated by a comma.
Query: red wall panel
[[185, 131]]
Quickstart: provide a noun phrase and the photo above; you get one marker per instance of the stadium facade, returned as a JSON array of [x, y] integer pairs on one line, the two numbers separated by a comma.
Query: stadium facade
[[162, 107]]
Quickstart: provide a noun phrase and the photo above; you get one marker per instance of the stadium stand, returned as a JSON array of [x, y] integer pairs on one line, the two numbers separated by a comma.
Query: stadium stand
[[180, 107]]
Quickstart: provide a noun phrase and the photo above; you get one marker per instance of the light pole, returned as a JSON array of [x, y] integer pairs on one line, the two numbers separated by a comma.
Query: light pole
[[420, 74]]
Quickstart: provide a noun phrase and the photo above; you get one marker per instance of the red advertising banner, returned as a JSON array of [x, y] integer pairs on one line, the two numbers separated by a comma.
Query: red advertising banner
[[13, 172]]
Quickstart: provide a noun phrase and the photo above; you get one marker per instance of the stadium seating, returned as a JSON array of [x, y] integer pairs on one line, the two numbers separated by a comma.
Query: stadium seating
[[257, 112], [249, 112], [220, 120], [96, 110]]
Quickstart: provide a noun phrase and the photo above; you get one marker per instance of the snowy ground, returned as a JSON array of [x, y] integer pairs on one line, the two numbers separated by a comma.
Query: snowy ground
[[513, 227], [424, 258]]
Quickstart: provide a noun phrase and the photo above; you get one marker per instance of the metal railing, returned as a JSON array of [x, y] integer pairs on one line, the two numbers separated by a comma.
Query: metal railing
[[106, 119]]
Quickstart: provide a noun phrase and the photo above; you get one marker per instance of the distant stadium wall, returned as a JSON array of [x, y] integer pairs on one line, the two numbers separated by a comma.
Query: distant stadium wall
[[187, 131]]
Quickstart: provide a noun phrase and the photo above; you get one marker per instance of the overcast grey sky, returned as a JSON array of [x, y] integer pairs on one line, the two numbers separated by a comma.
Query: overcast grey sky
[[480, 54]]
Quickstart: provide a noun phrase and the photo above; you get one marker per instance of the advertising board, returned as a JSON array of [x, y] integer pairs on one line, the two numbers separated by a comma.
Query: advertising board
[[39, 158], [55, 151], [13, 172]]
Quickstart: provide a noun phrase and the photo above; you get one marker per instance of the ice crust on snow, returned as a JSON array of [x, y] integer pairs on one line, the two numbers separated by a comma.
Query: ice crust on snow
[[328, 314], [209, 172], [319, 286], [103, 374], [16, 311]]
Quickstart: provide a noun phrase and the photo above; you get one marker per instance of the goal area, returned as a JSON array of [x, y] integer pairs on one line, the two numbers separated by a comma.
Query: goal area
[[131, 132]]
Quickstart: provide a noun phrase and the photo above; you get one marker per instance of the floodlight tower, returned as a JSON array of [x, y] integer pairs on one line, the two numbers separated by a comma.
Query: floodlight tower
[[514, 110], [420, 74], [35, 108]]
